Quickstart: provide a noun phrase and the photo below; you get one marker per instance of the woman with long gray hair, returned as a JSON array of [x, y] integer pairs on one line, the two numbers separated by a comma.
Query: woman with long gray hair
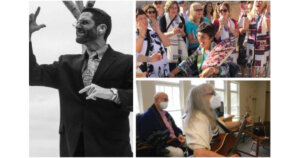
[[200, 124]]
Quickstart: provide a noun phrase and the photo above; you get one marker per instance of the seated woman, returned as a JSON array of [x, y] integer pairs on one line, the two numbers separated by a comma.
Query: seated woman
[[226, 28], [201, 124], [148, 42], [193, 65], [195, 19]]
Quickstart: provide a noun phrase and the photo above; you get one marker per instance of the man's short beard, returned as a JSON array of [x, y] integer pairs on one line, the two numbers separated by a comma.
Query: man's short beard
[[89, 35]]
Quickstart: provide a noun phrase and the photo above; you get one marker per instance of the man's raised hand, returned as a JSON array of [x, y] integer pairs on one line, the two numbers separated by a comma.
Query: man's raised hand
[[33, 26]]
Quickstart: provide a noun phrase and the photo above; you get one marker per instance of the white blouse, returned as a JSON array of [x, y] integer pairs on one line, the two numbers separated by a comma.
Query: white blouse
[[199, 133]]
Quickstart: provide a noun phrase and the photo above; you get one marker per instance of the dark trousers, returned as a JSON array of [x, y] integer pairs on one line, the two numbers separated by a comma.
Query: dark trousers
[[79, 152]]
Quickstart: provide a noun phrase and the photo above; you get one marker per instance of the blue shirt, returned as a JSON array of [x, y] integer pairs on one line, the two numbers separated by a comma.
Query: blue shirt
[[191, 27]]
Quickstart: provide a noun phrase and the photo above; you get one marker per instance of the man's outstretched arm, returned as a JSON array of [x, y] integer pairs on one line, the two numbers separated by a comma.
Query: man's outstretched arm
[[40, 75]]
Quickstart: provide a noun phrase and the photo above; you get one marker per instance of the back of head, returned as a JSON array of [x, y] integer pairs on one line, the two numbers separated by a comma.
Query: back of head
[[207, 28], [139, 11], [100, 17]]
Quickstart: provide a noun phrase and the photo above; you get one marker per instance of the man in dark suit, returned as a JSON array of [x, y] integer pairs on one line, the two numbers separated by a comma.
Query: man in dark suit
[[95, 89]]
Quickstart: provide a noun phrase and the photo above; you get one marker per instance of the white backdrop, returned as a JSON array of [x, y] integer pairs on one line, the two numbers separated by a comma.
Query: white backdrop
[[49, 43]]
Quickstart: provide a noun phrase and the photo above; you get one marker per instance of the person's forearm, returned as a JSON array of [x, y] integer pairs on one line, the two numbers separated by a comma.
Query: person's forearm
[[218, 34], [175, 71], [139, 44], [164, 39], [232, 125], [169, 34], [246, 24], [191, 39]]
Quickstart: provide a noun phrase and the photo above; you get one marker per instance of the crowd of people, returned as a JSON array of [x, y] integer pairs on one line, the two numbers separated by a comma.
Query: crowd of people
[[177, 39]]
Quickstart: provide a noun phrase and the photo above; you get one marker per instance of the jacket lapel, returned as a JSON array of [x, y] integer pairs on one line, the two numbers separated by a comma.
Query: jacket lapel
[[78, 64], [108, 58]]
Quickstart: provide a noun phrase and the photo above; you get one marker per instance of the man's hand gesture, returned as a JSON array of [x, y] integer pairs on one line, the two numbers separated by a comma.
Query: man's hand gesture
[[33, 26]]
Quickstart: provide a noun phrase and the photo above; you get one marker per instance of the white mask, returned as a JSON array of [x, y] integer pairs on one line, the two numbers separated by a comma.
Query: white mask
[[215, 101], [163, 105]]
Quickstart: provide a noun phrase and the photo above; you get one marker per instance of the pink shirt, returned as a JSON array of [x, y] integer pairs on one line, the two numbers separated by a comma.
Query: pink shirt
[[167, 123]]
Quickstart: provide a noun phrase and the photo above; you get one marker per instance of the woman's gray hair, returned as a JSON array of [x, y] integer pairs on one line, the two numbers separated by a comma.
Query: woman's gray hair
[[196, 102]]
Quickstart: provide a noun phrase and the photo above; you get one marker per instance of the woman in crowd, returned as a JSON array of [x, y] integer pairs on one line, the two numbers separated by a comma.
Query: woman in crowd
[[216, 14], [195, 19], [173, 26], [208, 11], [257, 23], [183, 10], [245, 8], [201, 123], [151, 14], [148, 42], [193, 65], [159, 6], [226, 28]]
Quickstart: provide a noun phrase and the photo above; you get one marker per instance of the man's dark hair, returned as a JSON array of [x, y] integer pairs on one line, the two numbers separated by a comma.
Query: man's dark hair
[[100, 17], [207, 28]]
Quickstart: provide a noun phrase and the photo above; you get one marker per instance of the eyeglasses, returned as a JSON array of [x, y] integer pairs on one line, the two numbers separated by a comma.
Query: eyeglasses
[[223, 10], [151, 12], [212, 93], [165, 99], [198, 10], [81, 23]]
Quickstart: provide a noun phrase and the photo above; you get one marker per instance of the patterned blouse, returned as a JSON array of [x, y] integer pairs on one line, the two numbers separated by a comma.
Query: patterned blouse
[[192, 66]]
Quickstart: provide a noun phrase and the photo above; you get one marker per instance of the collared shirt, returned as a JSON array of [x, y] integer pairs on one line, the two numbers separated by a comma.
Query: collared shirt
[[167, 123], [90, 67]]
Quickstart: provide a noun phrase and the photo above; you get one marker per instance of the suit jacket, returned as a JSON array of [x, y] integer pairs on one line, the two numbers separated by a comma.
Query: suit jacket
[[104, 124]]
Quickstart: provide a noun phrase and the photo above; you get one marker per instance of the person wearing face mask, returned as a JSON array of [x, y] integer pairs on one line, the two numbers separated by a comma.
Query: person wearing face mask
[[201, 124], [158, 129], [95, 89]]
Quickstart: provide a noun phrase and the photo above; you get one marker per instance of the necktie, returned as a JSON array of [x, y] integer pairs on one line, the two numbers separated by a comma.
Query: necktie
[[90, 70]]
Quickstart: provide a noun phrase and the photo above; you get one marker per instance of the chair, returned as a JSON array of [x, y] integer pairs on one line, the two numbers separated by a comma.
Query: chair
[[260, 139]]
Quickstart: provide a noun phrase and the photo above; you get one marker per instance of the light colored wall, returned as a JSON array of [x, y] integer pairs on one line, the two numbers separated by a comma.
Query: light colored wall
[[252, 95], [148, 91]]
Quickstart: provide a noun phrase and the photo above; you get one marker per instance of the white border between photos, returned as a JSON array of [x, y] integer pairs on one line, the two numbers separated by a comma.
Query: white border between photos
[[14, 113]]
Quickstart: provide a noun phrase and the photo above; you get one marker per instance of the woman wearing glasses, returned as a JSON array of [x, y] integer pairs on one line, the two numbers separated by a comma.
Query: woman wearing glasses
[[195, 19], [173, 26], [201, 123], [192, 66], [151, 14], [227, 28]]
